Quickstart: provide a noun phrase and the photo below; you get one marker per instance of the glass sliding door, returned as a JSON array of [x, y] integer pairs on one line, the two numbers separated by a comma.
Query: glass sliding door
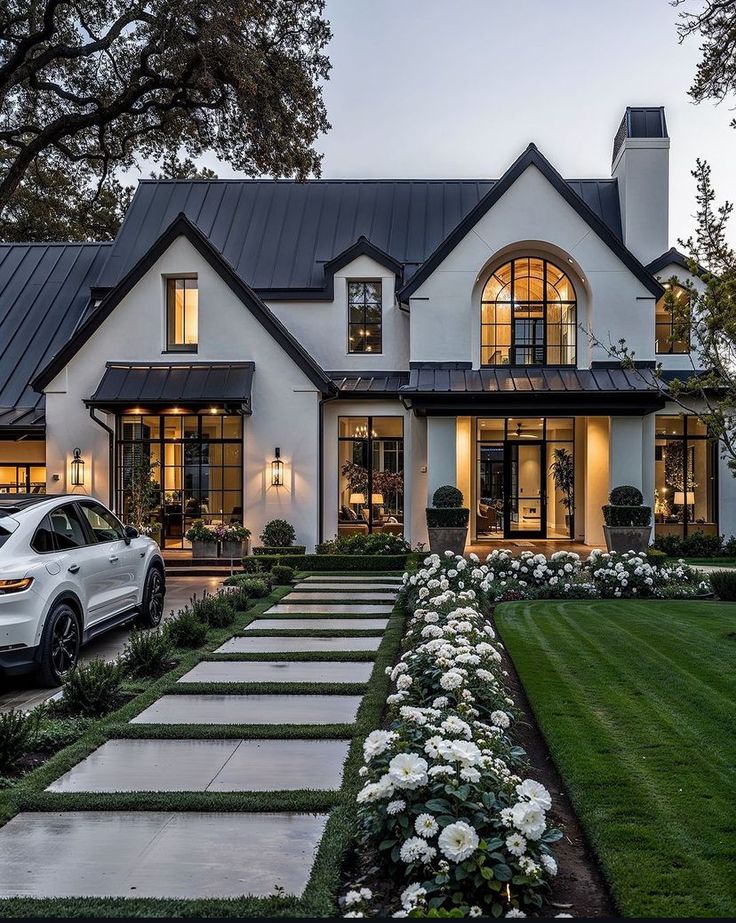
[[525, 488]]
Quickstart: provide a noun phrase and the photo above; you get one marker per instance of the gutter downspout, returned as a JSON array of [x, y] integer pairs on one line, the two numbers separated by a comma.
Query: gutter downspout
[[321, 465], [111, 454]]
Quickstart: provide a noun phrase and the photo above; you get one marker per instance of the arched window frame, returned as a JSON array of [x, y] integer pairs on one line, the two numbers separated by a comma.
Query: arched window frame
[[521, 338], [667, 324]]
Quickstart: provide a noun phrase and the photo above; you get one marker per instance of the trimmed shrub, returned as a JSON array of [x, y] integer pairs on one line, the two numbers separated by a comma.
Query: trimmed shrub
[[626, 496], [724, 584], [148, 652], [186, 630], [215, 610], [278, 549], [696, 545], [627, 515], [378, 543], [655, 556], [448, 517], [447, 496], [347, 562], [278, 533], [258, 566], [94, 688], [282, 575], [256, 587], [19, 732]]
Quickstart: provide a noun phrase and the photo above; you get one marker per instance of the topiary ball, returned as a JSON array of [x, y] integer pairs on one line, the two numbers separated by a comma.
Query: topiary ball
[[447, 497], [626, 496]]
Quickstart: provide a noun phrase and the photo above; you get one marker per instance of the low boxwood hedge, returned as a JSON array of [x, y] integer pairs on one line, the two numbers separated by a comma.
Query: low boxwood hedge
[[348, 562], [279, 549], [627, 515]]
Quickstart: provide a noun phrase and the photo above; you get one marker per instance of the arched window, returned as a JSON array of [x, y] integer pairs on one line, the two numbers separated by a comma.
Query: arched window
[[528, 315], [672, 332]]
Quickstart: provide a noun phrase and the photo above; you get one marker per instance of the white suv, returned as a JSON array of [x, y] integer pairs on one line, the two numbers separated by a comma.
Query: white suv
[[69, 570]]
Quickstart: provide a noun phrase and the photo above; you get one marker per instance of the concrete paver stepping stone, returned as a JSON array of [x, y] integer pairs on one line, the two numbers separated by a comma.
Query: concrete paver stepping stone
[[345, 588], [251, 709], [285, 645], [157, 854], [207, 765], [360, 624], [303, 597], [328, 608], [278, 671]]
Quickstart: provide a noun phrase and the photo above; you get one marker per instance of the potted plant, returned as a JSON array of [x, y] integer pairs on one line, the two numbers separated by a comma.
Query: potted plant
[[278, 537], [203, 539], [628, 523], [447, 521], [562, 470], [231, 538]]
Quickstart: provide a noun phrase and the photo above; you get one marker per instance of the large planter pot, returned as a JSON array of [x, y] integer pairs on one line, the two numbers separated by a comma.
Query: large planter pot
[[447, 539], [627, 538], [231, 549], [204, 549]]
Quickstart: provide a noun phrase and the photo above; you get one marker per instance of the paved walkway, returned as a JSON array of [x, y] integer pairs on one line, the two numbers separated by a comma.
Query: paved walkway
[[23, 692], [205, 854]]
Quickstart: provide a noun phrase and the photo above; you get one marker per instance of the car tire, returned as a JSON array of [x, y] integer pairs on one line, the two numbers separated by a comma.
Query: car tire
[[60, 643], [152, 610]]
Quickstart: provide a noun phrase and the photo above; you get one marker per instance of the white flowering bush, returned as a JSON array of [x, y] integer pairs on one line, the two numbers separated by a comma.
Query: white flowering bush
[[446, 799]]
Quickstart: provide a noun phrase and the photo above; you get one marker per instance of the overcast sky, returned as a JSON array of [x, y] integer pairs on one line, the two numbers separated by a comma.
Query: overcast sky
[[458, 88]]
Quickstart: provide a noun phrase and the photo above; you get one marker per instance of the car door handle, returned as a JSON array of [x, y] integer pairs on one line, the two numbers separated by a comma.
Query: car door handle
[[113, 558], [73, 568]]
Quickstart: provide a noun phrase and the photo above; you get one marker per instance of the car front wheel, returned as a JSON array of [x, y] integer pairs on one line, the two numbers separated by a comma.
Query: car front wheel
[[152, 610], [59, 645]]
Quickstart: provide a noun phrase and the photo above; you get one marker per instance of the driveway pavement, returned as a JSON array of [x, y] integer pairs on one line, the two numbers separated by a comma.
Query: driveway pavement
[[22, 691]]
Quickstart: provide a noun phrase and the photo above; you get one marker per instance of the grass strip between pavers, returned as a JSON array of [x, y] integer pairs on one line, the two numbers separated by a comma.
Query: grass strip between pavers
[[231, 687], [319, 897], [291, 656]]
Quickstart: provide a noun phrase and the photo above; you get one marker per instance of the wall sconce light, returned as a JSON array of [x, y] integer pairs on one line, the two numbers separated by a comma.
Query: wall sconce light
[[277, 469], [77, 469]]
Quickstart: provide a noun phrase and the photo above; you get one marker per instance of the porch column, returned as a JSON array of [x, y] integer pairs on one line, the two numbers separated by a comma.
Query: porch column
[[596, 478], [647, 459], [441, 454], [626, 452]]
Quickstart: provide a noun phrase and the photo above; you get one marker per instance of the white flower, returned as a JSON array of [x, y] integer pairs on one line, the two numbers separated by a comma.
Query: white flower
[[500, 719], [412, 896], [416, 849], [352, 898], [376, 743], [404, 681], [396, 807], [535, 793], [529, 819], [468, 774], [426, 826], [458, 841], [455, 725], [549, 863], [516, 844], [407, 770], [353, 913], [514, 914], [451, 680]]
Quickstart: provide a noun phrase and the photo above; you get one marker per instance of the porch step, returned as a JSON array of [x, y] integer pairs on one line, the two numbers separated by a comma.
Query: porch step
[[187, 570]]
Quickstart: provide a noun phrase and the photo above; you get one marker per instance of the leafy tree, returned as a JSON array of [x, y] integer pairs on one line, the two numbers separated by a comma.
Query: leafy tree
[[87, 87], [714, 23], [172, 167]]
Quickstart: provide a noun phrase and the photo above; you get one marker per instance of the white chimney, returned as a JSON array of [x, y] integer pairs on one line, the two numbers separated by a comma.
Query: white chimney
[[641, 154]]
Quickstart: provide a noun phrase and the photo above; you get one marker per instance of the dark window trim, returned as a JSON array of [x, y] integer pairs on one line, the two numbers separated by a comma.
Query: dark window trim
[[670, 324], [172, 346], [351, 324]]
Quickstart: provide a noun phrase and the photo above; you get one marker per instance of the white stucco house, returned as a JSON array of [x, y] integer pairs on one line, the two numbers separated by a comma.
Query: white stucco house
[[381, 338]]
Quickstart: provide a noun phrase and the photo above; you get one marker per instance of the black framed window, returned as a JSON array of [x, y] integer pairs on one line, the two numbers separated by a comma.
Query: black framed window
[[182, 315], [371, 473], [672, 334], [528, 315], [365, 317]]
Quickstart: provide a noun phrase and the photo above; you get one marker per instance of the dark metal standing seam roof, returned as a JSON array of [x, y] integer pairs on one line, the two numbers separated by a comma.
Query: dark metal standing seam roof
[[44, 290], [640, 122], [190, 384], [547, 380], [370, 383], [279, 234]]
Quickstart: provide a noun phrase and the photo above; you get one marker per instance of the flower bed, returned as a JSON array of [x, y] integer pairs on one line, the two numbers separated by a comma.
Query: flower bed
[[447, 803]]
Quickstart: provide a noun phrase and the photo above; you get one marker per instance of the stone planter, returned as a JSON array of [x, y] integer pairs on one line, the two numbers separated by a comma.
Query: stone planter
[[447, 539], [204, 549], [231, 550], [627, 538]]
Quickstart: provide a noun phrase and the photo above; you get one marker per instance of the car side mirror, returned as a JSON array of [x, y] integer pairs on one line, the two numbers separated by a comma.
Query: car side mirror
[[130, 533]]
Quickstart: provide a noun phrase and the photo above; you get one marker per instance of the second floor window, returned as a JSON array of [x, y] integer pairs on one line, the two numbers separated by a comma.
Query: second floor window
[[672, 335], [182, 315], [364, 317], [528, 315]]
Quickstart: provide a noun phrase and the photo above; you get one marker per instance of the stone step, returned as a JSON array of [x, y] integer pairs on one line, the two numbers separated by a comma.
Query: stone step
[[286, 645], [251, 709], [208, 766], [313, 622], [279, 671], [159, 854], [358, 588], [299, 596], [328, 609], [356, 578]]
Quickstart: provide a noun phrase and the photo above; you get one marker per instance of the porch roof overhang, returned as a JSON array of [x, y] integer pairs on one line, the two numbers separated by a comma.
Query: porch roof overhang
[[158, 387], [573, 392], [22, 422]]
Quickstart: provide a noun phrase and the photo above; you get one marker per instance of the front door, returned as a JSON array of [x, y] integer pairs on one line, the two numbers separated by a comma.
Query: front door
[[524, 490]]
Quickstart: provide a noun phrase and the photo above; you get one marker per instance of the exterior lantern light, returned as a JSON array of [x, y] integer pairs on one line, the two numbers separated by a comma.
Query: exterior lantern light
[[277, 469], [77, 469]]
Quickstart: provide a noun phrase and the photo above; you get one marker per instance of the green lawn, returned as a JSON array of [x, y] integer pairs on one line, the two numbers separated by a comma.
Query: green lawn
[[637, 701], [712, 562]]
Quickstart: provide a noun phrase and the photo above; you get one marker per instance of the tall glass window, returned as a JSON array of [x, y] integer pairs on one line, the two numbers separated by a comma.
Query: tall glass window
[[22, 479], [686, 477], [365, 327], [371, 471], [671, 334], [528, 315], [182, 315], [196, 462]]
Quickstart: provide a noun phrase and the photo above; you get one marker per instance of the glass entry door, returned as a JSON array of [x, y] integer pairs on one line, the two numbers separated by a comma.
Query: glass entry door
[[525, 507]]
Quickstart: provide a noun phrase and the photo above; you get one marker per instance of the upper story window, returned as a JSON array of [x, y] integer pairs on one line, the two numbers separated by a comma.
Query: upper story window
[[672, 335], [364, 317], [528, 315], [182, 315]]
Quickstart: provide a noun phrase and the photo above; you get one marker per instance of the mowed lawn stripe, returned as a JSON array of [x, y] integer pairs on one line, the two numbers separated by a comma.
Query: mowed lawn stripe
[[636, 701]]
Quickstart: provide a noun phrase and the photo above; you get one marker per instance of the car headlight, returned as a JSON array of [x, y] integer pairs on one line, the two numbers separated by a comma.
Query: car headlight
[[15, 586]]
